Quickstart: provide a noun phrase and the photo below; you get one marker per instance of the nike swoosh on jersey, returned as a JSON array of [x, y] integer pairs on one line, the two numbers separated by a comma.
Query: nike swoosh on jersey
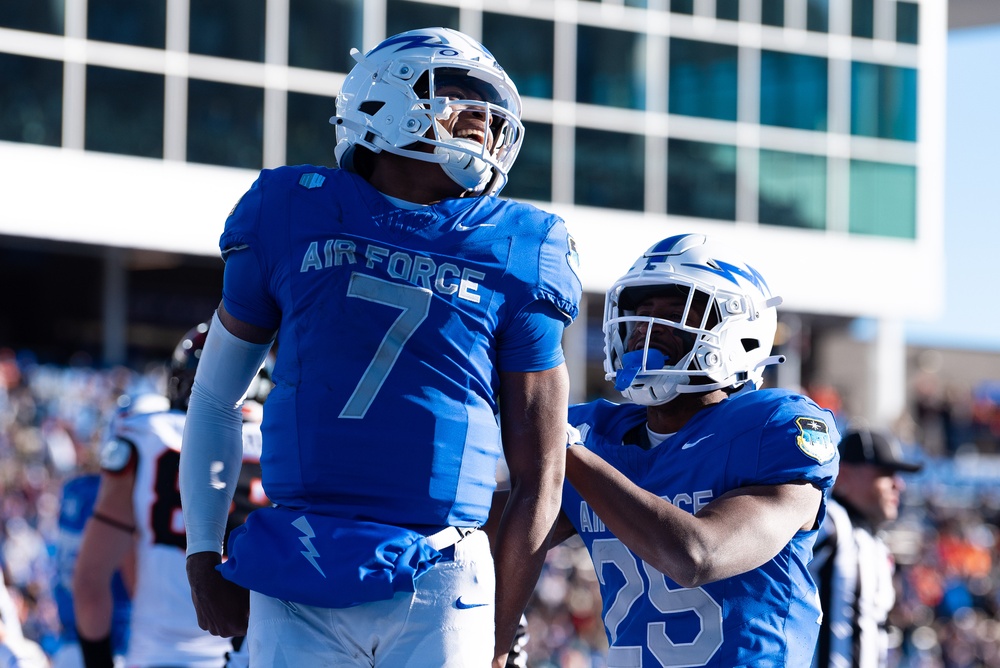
[[465, 228], [463, 605], [691, 444]]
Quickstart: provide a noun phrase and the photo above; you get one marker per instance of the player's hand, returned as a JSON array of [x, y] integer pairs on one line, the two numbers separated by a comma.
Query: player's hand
[[223, 607], [573, 436]]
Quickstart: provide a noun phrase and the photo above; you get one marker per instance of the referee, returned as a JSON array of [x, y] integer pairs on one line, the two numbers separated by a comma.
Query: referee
[[852, 566]]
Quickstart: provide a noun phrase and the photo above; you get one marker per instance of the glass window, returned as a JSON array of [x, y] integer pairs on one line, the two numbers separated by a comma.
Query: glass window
[[701, 179], [31, 100], [682, 6], [636, 3], [33, 16], [310, 139], [225, 124], [175, 296], [907, 22], [863, 18], [772, 12], [883, 199], [228, 29], [610, 67], [531, 176], [727, 9], [528, 57], [124, 112], [403, 16], [321, 34], [702, 79], [818, 15], [610, 168], [792, 189], [793, 90], [55, 278], [135, 22], [883, 101]]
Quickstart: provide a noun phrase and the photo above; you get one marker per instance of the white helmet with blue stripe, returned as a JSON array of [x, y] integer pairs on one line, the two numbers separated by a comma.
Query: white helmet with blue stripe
[[728, 322], [389, 103]]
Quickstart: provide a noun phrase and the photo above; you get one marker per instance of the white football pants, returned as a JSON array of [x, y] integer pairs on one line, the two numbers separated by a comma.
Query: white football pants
[[446, 623]]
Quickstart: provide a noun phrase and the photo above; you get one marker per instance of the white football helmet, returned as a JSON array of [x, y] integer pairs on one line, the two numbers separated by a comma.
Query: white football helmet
[[730, 344], [388, 102]]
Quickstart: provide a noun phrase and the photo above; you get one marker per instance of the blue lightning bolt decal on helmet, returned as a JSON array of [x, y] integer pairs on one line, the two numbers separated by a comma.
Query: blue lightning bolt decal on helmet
[[727, 326], [733, 273]]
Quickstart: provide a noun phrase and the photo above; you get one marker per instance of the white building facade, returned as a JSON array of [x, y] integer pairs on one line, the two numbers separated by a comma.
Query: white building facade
[[808, 132]]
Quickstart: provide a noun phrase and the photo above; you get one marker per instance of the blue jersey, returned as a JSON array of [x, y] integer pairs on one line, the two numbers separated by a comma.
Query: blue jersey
[[78, 497], [767, 616], [390, 325]]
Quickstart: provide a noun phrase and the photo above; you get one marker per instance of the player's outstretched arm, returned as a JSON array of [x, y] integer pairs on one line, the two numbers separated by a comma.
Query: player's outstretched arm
[[108, 540], [210, 462], [533, 410], [733, 534]]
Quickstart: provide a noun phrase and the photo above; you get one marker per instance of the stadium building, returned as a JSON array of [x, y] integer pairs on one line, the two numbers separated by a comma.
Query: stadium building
[[808, 132]]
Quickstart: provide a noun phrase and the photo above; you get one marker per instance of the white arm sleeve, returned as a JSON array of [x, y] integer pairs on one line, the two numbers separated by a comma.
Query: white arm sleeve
[[212, 448]]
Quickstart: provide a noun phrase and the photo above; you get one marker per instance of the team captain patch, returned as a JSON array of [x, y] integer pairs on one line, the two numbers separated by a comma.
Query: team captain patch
[[814, 439]]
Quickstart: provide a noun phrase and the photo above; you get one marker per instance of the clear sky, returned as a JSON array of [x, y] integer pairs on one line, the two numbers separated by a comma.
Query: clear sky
[[971, 317]]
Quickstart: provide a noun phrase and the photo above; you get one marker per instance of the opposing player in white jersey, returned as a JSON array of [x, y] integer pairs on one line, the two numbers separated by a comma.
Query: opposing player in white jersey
[[138, 505]]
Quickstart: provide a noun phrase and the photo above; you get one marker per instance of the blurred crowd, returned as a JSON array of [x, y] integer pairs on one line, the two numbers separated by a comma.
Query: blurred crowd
[[54, 418], [52, 422]]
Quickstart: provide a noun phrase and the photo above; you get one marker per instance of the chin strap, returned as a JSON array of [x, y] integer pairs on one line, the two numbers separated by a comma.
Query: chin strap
[[463, 167], [768, 361]]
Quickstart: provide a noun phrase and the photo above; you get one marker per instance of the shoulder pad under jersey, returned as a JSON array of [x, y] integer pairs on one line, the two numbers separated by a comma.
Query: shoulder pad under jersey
[[116, 454]]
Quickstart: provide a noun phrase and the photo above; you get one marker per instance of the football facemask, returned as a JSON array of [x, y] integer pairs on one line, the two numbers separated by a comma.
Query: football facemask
[[717, 335], [401, 97]]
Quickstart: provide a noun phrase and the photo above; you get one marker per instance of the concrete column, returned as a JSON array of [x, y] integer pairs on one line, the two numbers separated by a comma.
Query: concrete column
[[789, 374], [276, 82], [75, 75], [114, 309], [575, 349], [176, 84], [887, 372]]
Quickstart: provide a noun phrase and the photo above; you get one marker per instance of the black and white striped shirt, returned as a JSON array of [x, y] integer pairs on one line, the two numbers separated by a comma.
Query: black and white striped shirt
[[853, 569]]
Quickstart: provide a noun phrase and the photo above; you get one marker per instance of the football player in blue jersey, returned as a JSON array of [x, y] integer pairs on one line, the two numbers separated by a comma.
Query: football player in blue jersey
[[699, 499], [77, 503], [415, 314]]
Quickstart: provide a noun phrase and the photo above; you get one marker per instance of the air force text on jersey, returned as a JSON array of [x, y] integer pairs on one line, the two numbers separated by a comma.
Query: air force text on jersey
[[420, 270], [692, 502]]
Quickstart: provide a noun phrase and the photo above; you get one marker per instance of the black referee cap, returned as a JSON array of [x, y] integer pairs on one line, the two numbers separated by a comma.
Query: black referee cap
[[866, 446]]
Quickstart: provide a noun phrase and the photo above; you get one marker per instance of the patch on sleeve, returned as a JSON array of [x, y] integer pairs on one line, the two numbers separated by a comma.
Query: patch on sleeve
[[572, 256], [115, 455], [814, 439], [311, 180]]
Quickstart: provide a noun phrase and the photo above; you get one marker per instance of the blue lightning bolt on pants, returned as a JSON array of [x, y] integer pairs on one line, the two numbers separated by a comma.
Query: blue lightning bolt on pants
[[447, 622]]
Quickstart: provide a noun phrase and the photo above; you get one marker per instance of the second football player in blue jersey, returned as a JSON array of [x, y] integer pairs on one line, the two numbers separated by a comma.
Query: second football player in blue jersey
[[700, 498]]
